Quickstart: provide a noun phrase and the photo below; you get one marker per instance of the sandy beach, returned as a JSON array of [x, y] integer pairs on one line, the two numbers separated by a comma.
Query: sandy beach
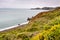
[[15, 26]]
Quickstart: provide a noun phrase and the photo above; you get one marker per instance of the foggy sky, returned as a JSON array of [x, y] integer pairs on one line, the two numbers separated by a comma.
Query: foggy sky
[[28, 3]]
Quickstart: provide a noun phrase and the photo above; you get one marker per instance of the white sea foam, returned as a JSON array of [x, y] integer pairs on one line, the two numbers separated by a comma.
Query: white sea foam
[[14, 26]]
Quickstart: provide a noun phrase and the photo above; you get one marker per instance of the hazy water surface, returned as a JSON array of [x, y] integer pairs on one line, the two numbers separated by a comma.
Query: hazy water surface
[[10, 17]]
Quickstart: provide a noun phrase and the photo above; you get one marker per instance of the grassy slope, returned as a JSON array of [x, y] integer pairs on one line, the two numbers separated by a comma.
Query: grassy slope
[[44, 26]]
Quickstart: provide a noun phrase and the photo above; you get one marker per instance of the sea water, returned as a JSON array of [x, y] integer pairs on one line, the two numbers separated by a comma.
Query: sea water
[[14, 16]]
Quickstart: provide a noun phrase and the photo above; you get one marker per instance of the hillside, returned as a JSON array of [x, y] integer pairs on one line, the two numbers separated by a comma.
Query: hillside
[[43, 26]]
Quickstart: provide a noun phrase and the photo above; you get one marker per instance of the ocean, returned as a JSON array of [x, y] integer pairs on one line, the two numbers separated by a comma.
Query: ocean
[[14, 16]]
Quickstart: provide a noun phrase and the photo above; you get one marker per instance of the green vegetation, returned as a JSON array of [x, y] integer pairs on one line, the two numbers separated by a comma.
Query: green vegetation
[[43, 26]]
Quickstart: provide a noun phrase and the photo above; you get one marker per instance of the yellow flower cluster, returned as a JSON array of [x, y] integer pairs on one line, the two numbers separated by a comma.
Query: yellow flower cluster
[[44, 35]]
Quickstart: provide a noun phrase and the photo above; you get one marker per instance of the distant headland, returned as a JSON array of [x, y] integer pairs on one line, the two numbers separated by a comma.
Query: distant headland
[[43, 8]]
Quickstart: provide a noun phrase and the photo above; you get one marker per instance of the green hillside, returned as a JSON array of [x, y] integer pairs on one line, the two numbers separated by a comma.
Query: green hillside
[[43, 26]]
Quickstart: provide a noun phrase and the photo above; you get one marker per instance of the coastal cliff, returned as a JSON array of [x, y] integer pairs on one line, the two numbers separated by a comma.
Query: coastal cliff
[[43, 26]]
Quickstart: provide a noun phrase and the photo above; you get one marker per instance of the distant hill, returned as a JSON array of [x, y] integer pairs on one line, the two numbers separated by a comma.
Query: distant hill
[[44, 8], [48, 8]]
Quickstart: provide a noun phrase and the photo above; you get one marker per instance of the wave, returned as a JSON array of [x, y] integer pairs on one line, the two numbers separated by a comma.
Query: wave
[[14, 26]]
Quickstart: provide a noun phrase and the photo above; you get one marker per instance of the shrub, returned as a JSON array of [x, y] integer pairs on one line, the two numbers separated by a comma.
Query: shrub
[[32, 29], [23, 36]]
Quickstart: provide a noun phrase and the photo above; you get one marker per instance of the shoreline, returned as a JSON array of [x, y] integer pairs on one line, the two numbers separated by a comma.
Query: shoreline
[[12, 27], [15, 26]]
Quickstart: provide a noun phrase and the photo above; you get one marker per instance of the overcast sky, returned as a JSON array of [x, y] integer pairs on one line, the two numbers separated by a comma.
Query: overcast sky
[[28, 3]]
